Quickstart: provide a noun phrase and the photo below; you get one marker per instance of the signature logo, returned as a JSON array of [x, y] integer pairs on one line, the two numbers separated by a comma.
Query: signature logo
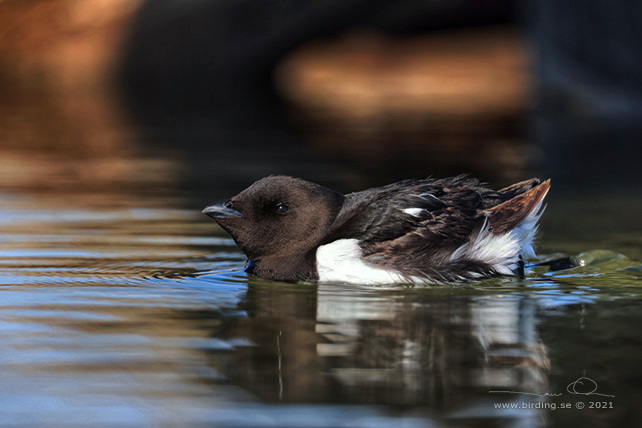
[[582, 386]]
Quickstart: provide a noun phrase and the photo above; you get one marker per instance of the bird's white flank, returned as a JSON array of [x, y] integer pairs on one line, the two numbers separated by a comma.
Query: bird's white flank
[[341, 261]]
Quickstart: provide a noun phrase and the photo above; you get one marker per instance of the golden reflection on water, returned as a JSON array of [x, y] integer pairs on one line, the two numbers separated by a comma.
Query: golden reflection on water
[[75, 145]]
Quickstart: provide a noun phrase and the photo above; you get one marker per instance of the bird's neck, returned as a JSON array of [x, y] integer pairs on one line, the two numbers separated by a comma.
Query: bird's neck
[[285, 268]]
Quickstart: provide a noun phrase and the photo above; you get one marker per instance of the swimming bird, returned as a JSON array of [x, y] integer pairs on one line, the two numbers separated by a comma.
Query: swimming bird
[[416, 231]]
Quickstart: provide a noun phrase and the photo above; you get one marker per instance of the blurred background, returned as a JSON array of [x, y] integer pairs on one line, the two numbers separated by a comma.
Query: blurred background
[[197, 97]]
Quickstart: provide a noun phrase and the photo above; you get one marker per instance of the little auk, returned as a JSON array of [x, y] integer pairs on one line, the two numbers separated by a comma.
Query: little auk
[[417, 231]]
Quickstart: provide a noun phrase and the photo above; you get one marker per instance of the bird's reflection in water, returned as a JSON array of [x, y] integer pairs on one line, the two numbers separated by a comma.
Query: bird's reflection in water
[[430, 348]]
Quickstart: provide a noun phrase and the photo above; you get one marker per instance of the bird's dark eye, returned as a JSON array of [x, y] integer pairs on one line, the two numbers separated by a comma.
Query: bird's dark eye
[[281, 208], [228, 203]]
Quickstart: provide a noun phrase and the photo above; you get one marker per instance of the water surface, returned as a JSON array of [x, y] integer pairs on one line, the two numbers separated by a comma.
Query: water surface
[[122, 305], [142, 315]]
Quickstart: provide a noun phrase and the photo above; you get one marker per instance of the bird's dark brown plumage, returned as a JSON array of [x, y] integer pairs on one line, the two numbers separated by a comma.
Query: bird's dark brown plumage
[[414, 228]]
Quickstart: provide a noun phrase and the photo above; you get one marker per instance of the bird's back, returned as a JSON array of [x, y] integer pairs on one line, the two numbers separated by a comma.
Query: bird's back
[[444, 229]]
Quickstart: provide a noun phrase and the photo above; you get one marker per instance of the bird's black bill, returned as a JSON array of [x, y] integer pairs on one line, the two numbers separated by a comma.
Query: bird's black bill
[[219, 210]]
